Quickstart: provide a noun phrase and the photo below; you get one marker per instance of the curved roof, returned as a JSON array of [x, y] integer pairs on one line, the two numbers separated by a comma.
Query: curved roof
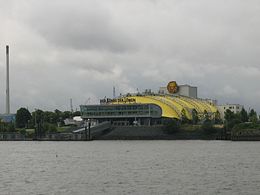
[[173, 106]]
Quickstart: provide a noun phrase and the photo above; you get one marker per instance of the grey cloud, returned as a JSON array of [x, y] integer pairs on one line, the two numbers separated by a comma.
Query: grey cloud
[[81, 49], [81, 25], [85, 61]]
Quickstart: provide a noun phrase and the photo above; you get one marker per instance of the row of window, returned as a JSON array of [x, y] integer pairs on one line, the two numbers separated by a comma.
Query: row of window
[[116, 113], [120, 110], [231, 107], [128, 107]]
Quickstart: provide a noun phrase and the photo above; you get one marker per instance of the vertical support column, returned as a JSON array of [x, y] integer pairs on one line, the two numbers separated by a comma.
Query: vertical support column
[[7, 81], [89, 123], [87, 130]]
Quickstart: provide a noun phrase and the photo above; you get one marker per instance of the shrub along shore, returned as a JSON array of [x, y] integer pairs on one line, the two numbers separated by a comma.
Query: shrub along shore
[[240, 126]]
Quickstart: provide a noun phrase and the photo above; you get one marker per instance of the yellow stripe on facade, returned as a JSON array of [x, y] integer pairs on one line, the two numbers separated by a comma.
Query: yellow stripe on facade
[[172, 107]]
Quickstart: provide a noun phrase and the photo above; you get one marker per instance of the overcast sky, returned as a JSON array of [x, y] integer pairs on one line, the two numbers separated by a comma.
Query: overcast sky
[[80, 49]]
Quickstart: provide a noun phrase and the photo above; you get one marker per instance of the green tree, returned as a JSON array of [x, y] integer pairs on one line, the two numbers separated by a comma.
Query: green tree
[[3, 126], [184, 119], [206, 115], [243, 115], [38, 116], [22, 117], [195, 117], [231, 119], [217, 118], [229, 115], [171, 126], [58, 116], [66, 114], [253, 116], [49, 128], [77, 113], [49, 117], [207, 126], [10, 127], [7, 127]]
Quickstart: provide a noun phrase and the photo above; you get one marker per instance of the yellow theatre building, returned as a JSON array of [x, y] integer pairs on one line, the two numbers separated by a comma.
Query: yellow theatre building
[[149, 108]]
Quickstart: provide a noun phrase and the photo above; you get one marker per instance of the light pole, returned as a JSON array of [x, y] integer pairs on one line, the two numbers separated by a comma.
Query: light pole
[[89, 123], [85, 125]]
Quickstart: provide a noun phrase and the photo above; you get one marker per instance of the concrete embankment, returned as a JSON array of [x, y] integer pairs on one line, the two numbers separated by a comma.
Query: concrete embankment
[[11, 136], [245, 138], [152, 133], [245, 135], [133, 133]]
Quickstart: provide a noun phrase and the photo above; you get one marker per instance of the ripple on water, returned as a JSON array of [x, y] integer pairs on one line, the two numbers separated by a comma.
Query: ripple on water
[[130, 167]]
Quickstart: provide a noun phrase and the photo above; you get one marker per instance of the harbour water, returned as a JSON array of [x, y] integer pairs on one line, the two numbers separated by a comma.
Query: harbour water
[[130, 167]]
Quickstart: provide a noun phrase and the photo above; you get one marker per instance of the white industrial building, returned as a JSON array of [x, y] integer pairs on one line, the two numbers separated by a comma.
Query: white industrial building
[[236, 108]]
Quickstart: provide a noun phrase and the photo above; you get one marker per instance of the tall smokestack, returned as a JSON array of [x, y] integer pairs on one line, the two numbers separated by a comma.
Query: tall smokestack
[[7, 82]]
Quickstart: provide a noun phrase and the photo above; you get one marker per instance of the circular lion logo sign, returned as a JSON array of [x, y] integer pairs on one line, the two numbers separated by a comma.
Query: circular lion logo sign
[[172, 87]]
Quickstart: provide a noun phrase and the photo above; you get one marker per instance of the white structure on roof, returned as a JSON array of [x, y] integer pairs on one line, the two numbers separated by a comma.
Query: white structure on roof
[[184, 90]]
